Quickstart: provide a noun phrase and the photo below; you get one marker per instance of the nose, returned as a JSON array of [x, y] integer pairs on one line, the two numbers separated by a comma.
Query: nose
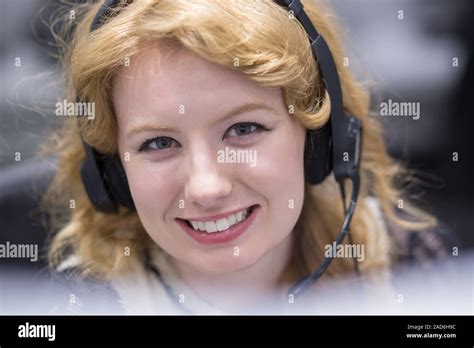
[[207, 184]]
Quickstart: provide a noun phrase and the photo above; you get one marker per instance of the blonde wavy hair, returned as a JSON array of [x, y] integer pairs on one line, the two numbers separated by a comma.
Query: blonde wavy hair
[[273, 49]]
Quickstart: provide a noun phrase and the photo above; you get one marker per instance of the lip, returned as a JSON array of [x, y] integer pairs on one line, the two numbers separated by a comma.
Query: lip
[[228, 235], [215, 217]]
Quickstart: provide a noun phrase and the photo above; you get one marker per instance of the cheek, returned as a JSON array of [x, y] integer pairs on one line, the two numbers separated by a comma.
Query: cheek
[[279, 173], [151, 190], [278, 178]]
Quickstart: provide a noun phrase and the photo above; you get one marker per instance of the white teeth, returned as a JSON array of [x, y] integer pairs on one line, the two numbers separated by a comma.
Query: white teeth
[[221, 224], [239, 216], [231, 219], [211, 226]]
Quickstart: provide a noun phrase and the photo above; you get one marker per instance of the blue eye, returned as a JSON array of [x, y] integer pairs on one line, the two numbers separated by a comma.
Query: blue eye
[[159, 143], [246, 128], [239, 130]]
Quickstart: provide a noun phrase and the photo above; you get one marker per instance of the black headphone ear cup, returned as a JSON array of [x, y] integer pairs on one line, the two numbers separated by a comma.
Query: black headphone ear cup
[[347, 148], [117, 182], [92, 174], [318, 154]]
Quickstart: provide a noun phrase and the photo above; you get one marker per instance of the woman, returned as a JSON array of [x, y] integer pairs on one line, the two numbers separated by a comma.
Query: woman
[[207, 104]]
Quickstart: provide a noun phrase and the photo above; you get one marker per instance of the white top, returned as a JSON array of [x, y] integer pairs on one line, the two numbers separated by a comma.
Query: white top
[[141, 291]]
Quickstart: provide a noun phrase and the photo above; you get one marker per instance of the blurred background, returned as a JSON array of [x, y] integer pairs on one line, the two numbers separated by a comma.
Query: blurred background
[[409, 50]]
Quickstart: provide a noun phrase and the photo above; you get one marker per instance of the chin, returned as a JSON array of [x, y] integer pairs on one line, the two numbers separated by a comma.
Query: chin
[[225, 263]]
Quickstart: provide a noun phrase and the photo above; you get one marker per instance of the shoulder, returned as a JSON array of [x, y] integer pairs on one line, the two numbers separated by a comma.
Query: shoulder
[[422, 246], [81, 294], [413, 246]]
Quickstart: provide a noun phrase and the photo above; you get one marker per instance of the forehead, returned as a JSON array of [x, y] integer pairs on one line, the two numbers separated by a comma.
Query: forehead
[[161, 79]]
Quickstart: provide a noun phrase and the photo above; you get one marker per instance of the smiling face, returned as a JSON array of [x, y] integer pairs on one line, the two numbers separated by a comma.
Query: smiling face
[[206, 142]]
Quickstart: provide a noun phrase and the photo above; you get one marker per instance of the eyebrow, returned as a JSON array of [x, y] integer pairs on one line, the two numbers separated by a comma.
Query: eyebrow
[[248, 107]]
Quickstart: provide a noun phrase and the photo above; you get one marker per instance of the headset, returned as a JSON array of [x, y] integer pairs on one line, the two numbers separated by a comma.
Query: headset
[[335, 147]]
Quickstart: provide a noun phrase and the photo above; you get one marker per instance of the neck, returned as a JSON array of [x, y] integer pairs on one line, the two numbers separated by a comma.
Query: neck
[[262, 284]]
